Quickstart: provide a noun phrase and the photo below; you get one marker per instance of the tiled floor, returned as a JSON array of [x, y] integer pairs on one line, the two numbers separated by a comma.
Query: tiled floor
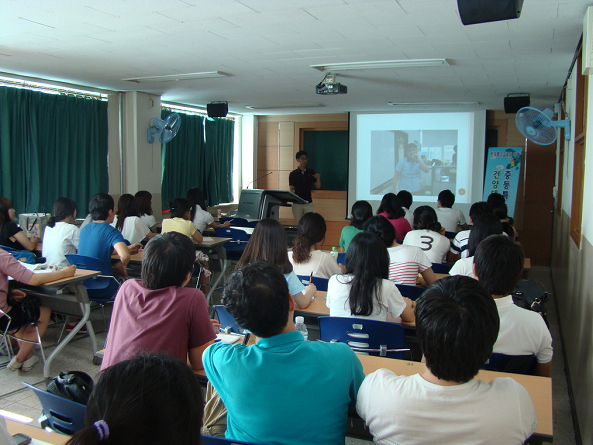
[[78, 356]]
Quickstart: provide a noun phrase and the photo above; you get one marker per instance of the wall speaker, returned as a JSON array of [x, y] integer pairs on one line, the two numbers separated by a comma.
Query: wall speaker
[[482, 11], [514, 102], [217, 109]]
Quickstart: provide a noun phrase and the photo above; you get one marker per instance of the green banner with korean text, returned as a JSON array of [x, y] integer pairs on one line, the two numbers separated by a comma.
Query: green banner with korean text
[[503, 167]]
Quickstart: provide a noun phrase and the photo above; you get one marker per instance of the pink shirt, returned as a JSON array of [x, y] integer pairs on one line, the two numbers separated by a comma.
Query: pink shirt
[[10, 266], [401, 226], [171, 320]]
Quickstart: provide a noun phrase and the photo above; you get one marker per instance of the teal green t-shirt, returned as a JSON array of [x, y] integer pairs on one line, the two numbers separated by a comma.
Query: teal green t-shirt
[[348, 233]]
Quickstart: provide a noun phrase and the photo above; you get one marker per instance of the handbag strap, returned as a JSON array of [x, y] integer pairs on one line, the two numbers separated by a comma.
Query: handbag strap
[[30, 227]]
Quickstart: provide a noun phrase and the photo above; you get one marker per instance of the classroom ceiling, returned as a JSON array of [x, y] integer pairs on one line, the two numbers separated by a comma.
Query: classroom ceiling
[[267, 47]]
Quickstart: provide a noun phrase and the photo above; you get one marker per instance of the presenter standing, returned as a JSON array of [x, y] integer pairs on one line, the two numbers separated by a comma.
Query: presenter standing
[[407, 170], [301, 181]]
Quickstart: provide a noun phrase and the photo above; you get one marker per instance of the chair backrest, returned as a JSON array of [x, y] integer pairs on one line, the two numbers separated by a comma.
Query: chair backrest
[[240, 238], [320, 283], [226, 320], [211, 440], [342, 258], [450, 235], [63, 415], [99, 288], [364, 336], [441, 267], [515, 364], [412, 292]]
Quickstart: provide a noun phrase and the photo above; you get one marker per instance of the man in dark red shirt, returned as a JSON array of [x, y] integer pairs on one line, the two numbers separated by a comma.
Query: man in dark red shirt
[[301, 181]]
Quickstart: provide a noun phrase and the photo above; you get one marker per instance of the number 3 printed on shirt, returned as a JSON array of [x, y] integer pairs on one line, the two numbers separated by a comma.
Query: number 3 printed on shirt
[[428, 240]]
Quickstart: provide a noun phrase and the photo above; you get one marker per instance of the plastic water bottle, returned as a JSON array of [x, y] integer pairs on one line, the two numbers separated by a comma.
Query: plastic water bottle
[[299, 324], [334, 253]]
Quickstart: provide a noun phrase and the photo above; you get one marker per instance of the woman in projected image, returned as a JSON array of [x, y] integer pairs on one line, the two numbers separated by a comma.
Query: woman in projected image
[[407, 170]]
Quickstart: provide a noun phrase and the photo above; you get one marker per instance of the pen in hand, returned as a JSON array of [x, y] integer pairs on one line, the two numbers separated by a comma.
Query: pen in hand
[[311, 278]]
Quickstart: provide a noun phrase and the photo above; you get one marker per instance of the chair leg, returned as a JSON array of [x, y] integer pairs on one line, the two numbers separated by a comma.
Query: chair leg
[[40, 344], [63, 328]]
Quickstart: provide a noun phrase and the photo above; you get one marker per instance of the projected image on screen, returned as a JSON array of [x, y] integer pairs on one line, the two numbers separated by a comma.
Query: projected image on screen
[[422, 162]]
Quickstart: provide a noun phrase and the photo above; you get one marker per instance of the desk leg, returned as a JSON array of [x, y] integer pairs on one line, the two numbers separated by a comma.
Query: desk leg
[[221, 254], [85, 305]]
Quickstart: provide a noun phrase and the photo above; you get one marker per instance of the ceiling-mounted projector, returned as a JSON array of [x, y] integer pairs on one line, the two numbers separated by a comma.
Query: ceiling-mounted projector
[[329, 86]]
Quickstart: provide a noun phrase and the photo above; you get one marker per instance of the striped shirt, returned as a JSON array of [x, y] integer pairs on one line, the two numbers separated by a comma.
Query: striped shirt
[[405, 263], [460, 244]]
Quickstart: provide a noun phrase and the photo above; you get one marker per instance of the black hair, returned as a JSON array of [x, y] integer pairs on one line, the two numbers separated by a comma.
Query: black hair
[[380, 226], [478, 209], [144, 202], [149, 400], [405, 199], [368, 261], [5, 206], [499, 264], [361, 212], [126, 206], [500, 209], [300, 153], [268, 242], [257, 297], [167, 259], [311, 231], [426, 218], [179, 207], [447, 198], [495, 197], [196, 198], [100, 205], [457, 325], [63, 208], [392, 206], [410, 146], [486, 225]]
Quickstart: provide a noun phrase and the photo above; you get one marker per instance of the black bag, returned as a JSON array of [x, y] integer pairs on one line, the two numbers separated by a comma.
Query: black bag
[[72, 385], [531, 295], [29, 305]]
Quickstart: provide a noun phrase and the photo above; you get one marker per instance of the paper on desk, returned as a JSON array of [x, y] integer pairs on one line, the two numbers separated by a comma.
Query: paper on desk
[[39, 442], [37, 267], [207, 238], [229, 338]]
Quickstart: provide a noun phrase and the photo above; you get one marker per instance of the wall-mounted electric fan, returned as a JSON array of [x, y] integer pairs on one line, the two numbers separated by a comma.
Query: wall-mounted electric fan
[[166, 129], [538, 126]]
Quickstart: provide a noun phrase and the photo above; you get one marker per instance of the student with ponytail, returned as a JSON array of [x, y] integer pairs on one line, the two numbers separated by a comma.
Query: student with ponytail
[[306, 258], [61, 235], [365, 290], [147, 400], [428, 234]]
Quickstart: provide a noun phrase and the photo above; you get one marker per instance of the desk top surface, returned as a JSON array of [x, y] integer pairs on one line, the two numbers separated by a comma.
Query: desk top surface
[[214, 242], [79, 275], [36, 433]]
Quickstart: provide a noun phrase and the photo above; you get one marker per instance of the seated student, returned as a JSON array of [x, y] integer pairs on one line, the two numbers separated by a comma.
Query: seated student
[[457, 325], [484, 227], [148, 400], [364, 290], [405, 262], [306, 258], [157, 313], [180, 221], [460, 242], [144, 203], [201, 218], [11, 235], [127, 220], [99, 238], [406, 200], [391, 209], [451, 219], [498, 265], [501, 211], [361, 212], [61, 236], [269, 243], [428, 235], [283, 389]]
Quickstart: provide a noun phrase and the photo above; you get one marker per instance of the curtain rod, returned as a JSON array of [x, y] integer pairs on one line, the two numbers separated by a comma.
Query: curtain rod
[[52, 90]]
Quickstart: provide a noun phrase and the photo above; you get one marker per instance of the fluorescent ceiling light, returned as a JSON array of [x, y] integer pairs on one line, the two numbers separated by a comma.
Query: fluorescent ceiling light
[[404, 63], [434, 104], [176, 77], [279, 107]]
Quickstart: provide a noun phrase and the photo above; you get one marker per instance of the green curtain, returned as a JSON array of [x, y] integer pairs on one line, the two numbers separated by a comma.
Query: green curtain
[[200, 155], [51, 146]]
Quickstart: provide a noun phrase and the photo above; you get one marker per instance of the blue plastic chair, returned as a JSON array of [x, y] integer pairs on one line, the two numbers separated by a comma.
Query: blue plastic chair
[[364, 336], [441, 267], [211, 440], [63, 415], [450, 235], [341, 258], [515, 364], [10, 331], [226, 320], [320, 283], [234, 248], [412, 292]]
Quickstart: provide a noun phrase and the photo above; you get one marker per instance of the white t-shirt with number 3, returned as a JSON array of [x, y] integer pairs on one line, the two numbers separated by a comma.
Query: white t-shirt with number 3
[[433, 244]]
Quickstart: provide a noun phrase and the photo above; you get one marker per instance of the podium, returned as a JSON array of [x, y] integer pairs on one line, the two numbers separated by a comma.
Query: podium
[[261, 204]]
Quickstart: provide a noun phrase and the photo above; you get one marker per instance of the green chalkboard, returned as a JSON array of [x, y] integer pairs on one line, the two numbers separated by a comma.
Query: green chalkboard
[[328, 156]]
